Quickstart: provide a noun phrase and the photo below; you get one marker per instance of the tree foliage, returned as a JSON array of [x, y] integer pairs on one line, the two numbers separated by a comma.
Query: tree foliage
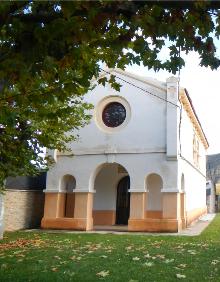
[[50, 51]]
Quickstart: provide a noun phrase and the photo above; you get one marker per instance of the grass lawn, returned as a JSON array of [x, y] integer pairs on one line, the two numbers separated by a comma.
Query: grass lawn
[[40, 256]]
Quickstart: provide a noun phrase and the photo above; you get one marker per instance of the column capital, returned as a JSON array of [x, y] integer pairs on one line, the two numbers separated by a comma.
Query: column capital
[[83, 191], [170, 190], [137, 190]]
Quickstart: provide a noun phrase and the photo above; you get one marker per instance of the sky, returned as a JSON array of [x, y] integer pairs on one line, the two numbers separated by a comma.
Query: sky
[[203, 86]]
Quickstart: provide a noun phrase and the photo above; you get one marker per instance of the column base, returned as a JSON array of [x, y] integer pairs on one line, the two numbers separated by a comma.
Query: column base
[[67, 223], [154, 225]]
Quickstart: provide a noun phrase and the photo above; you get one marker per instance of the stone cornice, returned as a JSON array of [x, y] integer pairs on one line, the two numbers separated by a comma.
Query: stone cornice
[[188, 107]]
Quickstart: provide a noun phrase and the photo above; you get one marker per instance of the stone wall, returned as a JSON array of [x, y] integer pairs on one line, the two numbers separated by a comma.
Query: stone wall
[[23, 209]]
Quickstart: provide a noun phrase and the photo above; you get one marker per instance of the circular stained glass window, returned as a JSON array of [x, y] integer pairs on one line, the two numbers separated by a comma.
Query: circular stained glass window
[[114, 114]]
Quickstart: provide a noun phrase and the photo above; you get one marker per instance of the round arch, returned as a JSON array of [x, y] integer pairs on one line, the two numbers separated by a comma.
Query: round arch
[[111, 203], [98, 168], [67, 183]]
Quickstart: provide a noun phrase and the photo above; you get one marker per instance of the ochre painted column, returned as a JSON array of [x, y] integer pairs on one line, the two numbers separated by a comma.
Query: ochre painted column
[[50, 209], [83, 210], [54, 212], [61, 202], [171, 204], [183, 209], [50, 205], [171, 211], [137, 211], [137, 205]]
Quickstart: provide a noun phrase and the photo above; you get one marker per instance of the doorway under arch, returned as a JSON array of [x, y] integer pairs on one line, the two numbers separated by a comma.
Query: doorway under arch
[[123, 201], [111, 198]]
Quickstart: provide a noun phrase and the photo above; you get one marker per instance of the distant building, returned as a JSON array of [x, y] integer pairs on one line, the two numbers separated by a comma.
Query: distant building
[[210, 196], [213, 178]]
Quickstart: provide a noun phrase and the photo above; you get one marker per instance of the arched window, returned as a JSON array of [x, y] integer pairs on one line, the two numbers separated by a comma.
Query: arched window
[[68, 183]]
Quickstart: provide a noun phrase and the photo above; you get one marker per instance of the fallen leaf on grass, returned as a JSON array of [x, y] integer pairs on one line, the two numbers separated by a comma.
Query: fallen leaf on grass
[[148, 264], [136, 258], [103, 273], [69, 273], [192, 252], [20, 260], [54, 269], [180, 276], [160, 256], [103, 256], [182, 265], [63, 262], [214, 262], [169, 260]]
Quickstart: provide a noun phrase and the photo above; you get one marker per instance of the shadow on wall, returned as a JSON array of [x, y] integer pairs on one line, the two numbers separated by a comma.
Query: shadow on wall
[[24, 202]]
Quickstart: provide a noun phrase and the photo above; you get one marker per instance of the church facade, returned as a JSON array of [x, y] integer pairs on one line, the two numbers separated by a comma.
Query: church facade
[[139, 163]]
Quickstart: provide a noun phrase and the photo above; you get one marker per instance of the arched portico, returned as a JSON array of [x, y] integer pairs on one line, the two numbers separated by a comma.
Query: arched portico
[[111, 198]]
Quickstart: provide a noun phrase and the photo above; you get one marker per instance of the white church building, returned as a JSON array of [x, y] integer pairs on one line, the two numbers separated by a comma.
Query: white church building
[[139, 163]]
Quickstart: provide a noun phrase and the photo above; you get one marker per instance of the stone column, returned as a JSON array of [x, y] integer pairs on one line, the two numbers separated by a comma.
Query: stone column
[[183, 209], [83, 210], [50, 210], [51, 205], [61, 202], [171, 211], [137, 205], [54, 211], [137, 210], [170, 205]]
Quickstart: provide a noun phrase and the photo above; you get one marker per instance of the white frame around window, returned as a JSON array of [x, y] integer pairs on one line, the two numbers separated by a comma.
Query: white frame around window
[[101, 106]]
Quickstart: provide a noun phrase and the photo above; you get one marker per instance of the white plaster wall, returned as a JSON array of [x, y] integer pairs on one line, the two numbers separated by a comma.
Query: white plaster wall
[[195, 177], [195, 186], [146, 130], [85, 168], [106, 183], [140, 146], [186, 136]]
